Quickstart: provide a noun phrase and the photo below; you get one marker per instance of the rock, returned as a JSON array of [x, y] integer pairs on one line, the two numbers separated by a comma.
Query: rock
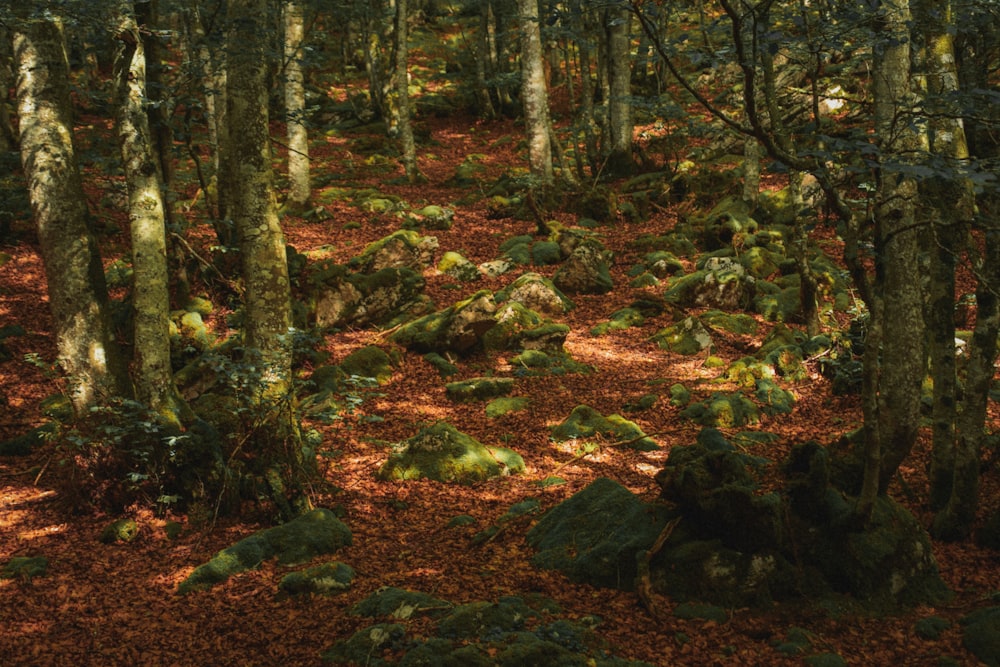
[[725, 410], [122, 530], [430, 217], [585, 271], [620, 320], [401, 249], [315, 533], [595, 535], [458, 267], [586, 422], [981, 635], [364, 646], [343, 299], [478, 389], [721, 284], [519, 327], [458, 328], [495, 268], [724, 224], [443, 453], [370, 361], [498, 407], [400, 604], [537, 293], [544, 253], [663, 264], [689, 336], [325, 579], [25, 568]]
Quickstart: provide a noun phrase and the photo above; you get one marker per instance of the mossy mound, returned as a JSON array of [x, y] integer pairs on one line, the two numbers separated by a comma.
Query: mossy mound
[[315, 533], [586, 422], [369, 362], [595, 535], [431, 216], [689, 336], [458, 267], [519, 327], [24, 444], [737, 323], [499, 407], [443, 453], [400, 604], [121, 530], [338, 298], [25, 568], [728, 221], [479, 389], [981, 635], [725, 410], [459, 328], [586, 271], [536, 293], [536, 362], [626, 318], [402, 249], [325, 579]]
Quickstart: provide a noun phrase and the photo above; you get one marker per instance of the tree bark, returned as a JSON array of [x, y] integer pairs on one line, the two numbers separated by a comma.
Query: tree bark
[[300, 191], [267, 329], [152, 376], [534, 94], [77, 292], [620, 125], [402, 77]]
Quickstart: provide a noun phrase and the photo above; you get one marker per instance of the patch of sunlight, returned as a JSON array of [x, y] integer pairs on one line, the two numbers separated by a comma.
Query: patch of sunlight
[[41, 532]]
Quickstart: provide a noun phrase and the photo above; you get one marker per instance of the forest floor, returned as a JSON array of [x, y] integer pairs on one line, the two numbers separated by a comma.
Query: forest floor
[[116, 604]]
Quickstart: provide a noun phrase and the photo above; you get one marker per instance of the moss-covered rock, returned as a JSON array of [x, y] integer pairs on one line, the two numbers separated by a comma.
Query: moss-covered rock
[[519, 327], [586, 422], [458, 267], [595, 536], [339, 298], [722, 283], [325, 579], [431, 216], [120, 530], [315, 533], [441, 364], [479, 389], [401, 249], [736, 323], [443, 453], [626, 318], [725, 410], [370, 361], [689, 336], [981, 635], [536, 293], [773, 399], [544, 253], [459, 328], [499, 407], [25, 568], [585, 271], [366, 646], [400, 604], [663, 264], [726, 223]]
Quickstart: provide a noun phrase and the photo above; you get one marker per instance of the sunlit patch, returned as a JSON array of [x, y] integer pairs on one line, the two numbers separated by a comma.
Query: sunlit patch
[[41, 532]]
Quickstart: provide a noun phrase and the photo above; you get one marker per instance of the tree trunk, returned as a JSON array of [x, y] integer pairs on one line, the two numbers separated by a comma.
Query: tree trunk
[[534, 94], [300, 190], [267, 331], [616, 27], [77, 292], [152, 376], [402, 78], [901, 369]]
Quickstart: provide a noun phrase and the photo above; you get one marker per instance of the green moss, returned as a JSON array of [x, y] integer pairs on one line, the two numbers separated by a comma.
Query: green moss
[[499, 407], [584, 422], [397, 603], [122, 530], [687, 337], [443, 453], [620, 320], [733, 323], [544, 253], [443, 366], [25, 568], [458, 267], [369, 362], [325, 579], [478, 389]]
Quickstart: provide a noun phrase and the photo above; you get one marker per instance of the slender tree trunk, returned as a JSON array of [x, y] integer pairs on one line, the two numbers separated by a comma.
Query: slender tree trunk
[[901, 369], [300, 190], [534, 94], [152, 374], [483, 63], [267, 330], [402, 77], [77, 292], [620, 125]]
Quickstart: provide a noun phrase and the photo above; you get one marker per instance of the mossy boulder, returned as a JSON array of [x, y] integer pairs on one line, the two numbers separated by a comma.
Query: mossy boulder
[[315, 533], [25, 568], [586, 422], [537, 293], [663, 264], [458, 267], [595, 535], [431, 216], [499, 407], [537, 362], [722, 283], [726, 223], [339, 298], [459, 328], [689, 336], [24, 444], [370, 361], [366, 646], [325, 579], [725, 410], [400, 604], [737, 323], [519, 327], [585, 271], [443, 453], [517, 249], [483, 620], [626, 318], [401, 249], [479, 389], [544, 253], [120, 530], [981, 635]]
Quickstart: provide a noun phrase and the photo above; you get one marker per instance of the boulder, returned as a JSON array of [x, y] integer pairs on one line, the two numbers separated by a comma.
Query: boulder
[[317, 532], [401, 249], [458, 267], [537, 293], [325, 579], [519, 327], [443, 453], [342, 299], [723, 283], [689, 336], [586, 271], [459, 328], [586, 422]]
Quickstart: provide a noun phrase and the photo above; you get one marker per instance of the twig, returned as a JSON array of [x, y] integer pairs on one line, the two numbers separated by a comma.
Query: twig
[[620, 443], [42, 471], [644, 587]]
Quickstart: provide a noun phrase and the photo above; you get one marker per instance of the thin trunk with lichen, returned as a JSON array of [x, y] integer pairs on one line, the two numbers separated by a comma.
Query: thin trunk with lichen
[[534, 94], [77, 292], [300, 191], [152, 375], [278, 458]]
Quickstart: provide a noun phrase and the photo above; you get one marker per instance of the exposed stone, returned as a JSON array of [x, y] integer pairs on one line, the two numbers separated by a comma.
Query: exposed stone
[[343, 299], [689, 336], [325, 579], [586, 422], [401, 249], [458, 328], [443, 453], [537, 293], [458, 267], [585, 271]]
